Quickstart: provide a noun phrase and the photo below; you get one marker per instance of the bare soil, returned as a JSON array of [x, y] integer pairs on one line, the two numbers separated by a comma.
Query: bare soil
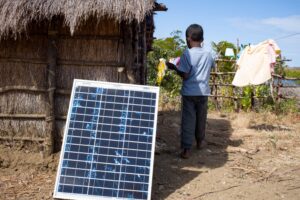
[[248, 156]]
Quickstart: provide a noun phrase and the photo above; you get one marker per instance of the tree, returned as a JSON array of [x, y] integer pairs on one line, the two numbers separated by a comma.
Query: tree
[[220, 49]]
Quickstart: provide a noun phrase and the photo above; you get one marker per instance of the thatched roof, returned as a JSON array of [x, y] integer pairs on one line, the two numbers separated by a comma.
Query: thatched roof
[[15, 15]]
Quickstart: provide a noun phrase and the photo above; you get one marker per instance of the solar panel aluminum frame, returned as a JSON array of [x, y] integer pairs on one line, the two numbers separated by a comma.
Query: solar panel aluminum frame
[[104, 85]]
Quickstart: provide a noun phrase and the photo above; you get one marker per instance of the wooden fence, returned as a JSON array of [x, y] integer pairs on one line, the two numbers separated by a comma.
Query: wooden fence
[[222, 88]]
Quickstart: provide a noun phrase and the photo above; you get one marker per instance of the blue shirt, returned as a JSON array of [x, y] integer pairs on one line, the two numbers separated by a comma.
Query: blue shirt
[[197, 62]]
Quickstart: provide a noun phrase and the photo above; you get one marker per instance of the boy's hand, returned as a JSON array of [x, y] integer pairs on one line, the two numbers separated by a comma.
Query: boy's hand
[[171, 66]]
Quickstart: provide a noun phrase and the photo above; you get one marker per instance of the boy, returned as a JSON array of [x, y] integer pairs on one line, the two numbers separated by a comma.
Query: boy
[[194, 68]]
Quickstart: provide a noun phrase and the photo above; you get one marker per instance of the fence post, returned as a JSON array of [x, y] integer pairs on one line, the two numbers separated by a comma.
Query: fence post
[[252, 99], [235, 100], [278, 96]]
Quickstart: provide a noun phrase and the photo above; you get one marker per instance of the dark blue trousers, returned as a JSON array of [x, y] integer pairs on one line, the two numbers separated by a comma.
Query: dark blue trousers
[[193, 122]]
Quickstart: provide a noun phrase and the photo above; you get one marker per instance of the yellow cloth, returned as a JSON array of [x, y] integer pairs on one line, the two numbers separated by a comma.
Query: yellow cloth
[[255, 63], [161, 70]]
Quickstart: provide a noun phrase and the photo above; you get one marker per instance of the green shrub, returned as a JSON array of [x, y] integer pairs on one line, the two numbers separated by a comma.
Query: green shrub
[[288, 106]]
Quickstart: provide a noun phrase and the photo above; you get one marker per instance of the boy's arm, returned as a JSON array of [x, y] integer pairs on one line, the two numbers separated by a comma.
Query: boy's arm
[[180, 73], [184, 66]]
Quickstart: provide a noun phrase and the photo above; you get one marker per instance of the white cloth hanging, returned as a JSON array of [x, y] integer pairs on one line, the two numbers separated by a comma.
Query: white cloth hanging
[[256, 63]]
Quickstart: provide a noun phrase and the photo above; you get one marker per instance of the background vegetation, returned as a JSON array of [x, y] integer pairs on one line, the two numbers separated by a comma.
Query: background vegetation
[[174, 46]]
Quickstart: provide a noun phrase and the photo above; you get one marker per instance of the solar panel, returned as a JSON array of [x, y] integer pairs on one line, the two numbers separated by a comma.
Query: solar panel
[[109, 142]]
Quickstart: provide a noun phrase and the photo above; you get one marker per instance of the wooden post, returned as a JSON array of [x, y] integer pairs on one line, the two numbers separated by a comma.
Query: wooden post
[[144, 53], [235, 99], [214, 91], [136, 52], [277, 98], [277, 85], [252, 99], [50, 98], [128, 52]]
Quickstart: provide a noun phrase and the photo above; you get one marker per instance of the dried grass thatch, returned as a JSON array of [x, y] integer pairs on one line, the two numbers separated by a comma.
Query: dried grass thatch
[[16, 15], [22, 128]]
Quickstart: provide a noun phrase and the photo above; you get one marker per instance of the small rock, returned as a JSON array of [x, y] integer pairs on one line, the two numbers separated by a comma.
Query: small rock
[[283, 148]]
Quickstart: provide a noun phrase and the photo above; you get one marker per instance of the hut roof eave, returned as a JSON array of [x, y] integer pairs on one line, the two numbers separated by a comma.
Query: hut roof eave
[[16, 15]]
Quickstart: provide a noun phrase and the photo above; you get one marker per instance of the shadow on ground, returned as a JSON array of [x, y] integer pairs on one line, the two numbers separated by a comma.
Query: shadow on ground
[[170, 172]]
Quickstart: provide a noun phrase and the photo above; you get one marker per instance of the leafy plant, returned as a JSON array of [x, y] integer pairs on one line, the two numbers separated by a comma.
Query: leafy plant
[[262, 90], [247, 98]]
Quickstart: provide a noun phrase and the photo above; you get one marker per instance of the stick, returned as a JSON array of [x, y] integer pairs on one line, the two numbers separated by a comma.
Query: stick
[[22, 88], [215, 143], [22, 139], [294, 188], [247, 171], [236, 149], [216, 191], [268, 176], [295, 169], [22, 116], [287, 179]]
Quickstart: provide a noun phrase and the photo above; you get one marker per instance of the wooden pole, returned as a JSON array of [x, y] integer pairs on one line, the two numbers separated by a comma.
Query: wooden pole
[[144, 52], [235, 100], [277, 99], [23, 116], [277, 86], [136, 52], [216, 88], [128, 51], [50, 97], [22, 88], [22, 139], [252, 99]]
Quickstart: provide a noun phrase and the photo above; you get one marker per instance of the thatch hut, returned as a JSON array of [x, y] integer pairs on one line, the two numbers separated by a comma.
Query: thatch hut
[[45, 44]]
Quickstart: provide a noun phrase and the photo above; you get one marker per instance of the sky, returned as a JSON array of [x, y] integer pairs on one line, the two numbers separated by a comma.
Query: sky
[[249, 21]]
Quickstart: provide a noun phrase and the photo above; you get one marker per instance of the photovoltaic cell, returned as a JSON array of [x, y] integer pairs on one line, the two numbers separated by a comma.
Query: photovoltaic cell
[[109, 141]]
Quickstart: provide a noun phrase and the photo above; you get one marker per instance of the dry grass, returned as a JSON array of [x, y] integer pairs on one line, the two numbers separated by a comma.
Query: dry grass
[[22, 128], [16, 15], [16, 71]]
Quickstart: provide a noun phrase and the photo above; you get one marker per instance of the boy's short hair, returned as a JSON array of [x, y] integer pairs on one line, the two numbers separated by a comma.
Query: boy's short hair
[[195, 32]]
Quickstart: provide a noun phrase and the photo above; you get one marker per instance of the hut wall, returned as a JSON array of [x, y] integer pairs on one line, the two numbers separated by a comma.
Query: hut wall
[[95, 52], [104, 51], [22, 101]]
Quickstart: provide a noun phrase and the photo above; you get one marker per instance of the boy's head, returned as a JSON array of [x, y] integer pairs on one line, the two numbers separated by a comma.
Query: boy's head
[[194, 35]]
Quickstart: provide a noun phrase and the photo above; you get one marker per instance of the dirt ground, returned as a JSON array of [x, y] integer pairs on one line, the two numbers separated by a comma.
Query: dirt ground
[[248, 156]]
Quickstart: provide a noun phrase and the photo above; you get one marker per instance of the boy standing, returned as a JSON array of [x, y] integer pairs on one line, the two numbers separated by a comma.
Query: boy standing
[[195, 66]]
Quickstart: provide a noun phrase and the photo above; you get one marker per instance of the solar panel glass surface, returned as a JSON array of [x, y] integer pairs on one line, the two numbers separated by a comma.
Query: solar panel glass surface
[[109, 142]]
